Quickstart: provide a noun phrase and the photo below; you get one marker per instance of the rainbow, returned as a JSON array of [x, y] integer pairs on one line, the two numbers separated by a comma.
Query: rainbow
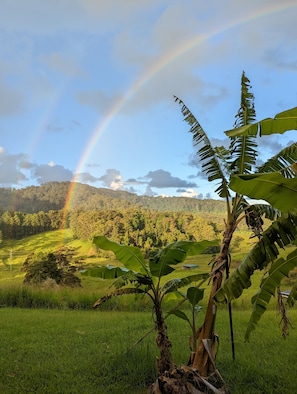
[[159, 65]]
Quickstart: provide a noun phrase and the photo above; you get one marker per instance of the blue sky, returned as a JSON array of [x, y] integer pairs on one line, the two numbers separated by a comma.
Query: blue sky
[[86, 87]]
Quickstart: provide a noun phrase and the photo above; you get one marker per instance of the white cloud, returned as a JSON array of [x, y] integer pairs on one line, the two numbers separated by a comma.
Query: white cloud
[[192, 193], [113, 179]]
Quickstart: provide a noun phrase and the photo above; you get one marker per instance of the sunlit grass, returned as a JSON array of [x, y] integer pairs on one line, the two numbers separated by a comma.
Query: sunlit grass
[[52, 351], [65, 349], [12, 292]]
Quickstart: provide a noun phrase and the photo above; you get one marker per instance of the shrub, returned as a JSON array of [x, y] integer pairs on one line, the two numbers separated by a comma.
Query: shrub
[[42, 268]]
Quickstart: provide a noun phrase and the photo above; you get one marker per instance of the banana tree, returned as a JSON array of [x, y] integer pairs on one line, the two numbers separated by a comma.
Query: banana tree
[[222, 166], [280, 190], [146, 277]]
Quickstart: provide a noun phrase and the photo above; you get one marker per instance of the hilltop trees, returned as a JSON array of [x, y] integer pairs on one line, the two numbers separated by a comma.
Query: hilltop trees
[[16, 225], [143, 228]]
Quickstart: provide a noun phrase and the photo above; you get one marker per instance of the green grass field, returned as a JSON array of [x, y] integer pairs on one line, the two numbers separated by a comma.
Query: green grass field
[[54, 351], [65, 347]]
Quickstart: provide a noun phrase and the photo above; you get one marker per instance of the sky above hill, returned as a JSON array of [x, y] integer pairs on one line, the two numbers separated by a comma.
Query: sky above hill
[[86, 87]]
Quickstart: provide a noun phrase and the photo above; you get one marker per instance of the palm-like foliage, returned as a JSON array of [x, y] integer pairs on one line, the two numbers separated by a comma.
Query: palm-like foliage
[[279, 191], [243, 149], [284, 162], [209, 155], [234, 172], [145, 278], [282, 122]]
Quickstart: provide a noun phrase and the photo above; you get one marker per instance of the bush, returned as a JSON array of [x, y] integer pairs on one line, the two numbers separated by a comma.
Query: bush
[[56, 266]]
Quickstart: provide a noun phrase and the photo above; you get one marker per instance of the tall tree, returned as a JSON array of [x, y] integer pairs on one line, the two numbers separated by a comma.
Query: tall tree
[[222, 166]]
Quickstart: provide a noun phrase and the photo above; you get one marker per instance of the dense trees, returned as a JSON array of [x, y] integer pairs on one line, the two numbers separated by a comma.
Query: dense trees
[[124, 217], [143, 221], [15, 225], [145, 229], [53, 196]]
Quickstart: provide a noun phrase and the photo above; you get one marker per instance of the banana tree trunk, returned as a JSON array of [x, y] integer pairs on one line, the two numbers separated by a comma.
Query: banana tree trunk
[[164, 363], [204, 359]]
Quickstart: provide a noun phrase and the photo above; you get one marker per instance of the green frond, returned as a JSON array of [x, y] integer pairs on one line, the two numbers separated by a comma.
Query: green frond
[[273, 187], [280, 234], [130, 256], [284, 162], [106, 272], [243, 152], [132, 278], [282, 122], [174, 284], [161, 263], [209, 159], [195, 295], [246, 113], [180, 314], [278, 270], [117, 293]]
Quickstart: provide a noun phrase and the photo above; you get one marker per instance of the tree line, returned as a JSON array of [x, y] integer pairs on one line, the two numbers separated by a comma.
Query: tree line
[[16, 225], [144, 228], [53, 196]]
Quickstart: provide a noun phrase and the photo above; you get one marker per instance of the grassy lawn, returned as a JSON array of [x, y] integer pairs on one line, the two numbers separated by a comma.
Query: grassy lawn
[[52, 351], [71, 350]]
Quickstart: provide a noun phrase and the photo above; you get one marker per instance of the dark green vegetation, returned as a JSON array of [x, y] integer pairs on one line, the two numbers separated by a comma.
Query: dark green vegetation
[[145, 222], [53, 196], [52, 268]]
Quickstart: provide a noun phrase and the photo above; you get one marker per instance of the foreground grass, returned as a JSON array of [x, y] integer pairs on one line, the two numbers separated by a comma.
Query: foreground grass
[[54, 351]]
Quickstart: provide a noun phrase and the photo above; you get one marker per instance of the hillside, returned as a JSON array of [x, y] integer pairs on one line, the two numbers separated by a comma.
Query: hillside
[[53, 196]]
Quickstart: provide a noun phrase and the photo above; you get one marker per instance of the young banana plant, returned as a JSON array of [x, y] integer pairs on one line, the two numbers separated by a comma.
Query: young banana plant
[[140, 276]]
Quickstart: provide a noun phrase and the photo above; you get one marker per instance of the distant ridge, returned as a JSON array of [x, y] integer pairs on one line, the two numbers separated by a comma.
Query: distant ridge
[[53, 195]]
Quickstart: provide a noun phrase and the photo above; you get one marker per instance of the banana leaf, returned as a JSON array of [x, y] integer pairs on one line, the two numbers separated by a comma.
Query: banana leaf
[[278, 270], [282, 122], [279, 191]]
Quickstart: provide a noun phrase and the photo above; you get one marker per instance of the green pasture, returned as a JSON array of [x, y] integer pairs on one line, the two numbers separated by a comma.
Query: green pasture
[[53, 342], [14, 293], [64, 351], [14, 253]]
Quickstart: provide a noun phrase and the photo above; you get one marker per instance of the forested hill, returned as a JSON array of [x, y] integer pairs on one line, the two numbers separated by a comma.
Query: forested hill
[[53, 195]]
